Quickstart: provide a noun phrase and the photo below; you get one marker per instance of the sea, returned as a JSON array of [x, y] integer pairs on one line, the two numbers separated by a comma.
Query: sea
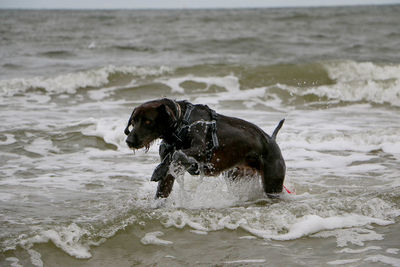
[[73, 194]]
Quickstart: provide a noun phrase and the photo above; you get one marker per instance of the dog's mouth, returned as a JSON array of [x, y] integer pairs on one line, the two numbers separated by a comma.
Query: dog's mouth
[[145, 144]]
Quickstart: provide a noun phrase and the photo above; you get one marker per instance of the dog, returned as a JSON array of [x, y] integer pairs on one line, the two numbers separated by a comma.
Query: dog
[[198, 140]]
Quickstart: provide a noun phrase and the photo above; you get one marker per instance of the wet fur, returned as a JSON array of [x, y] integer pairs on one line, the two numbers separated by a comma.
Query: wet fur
[[244, 147]]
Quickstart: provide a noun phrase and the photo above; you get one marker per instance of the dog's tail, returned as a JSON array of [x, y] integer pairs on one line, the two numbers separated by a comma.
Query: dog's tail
[[277, 129]]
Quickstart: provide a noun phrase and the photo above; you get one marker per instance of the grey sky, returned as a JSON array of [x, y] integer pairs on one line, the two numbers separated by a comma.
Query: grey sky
[[126, 4]]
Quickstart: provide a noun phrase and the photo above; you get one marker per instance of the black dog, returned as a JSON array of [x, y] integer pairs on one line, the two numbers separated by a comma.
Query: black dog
[[198, 139]]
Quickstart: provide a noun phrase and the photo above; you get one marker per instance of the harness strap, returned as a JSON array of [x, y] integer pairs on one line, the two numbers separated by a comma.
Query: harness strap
[[214, 136], [189, 109], [178, 110], [184, 123]]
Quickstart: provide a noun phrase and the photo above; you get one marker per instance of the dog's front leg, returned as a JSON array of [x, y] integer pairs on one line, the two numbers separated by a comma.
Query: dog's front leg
[[161, 171], [165, 186], [166, 150], [189, 163], [190, 158], [176, 162], [174, 167]]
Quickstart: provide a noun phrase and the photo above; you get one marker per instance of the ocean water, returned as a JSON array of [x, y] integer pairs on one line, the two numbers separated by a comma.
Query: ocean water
[[73, 194]]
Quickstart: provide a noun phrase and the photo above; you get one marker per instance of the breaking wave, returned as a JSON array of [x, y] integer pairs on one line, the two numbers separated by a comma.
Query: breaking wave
[[70, 82], [354, 82], [333, 81], [349, 219]]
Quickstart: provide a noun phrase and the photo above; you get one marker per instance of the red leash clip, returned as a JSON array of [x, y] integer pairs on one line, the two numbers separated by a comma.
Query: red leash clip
[[287, 190]]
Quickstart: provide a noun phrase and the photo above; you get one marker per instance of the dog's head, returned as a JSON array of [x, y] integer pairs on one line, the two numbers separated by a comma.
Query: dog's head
[[149, 122]]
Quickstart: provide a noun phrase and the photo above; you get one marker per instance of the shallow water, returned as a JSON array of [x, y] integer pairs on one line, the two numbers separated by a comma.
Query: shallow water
[[72, 193]]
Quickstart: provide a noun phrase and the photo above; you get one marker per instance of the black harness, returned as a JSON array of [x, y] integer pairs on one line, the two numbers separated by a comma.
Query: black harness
[[214, 137], [182, 127]]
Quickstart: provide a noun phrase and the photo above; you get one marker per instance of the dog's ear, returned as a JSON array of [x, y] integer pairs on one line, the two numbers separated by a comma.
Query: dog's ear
[[168, 111]]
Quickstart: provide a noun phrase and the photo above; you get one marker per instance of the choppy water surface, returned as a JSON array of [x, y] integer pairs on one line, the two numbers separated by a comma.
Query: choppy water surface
[[73, 194]]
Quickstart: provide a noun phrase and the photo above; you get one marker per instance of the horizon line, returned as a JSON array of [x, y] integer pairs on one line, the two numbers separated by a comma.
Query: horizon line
[[196, 8], [125, 6]]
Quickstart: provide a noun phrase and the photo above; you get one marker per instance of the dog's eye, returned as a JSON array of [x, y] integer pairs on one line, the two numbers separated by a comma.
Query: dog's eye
[[147, 122]]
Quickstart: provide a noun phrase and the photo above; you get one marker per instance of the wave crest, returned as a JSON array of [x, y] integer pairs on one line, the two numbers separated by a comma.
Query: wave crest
[[332, 81], [355, 82], [70, 82]]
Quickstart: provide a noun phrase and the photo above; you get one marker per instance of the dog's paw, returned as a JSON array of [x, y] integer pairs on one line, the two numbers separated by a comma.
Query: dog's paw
[[159, 173], [194, 169], [155, 178], [178, 157], [273, 195]]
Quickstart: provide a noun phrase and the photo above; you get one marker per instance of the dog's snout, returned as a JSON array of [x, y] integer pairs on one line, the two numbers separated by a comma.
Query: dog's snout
[[131, 140], [130, 144]]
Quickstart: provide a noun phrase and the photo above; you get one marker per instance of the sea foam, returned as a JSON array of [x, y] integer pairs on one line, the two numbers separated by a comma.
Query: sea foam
[[68, 238], [356, 81], [152, 239], [70, 82]]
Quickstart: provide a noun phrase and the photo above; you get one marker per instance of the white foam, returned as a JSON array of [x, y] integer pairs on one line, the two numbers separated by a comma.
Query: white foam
[[169, 257], [66, 83], [6, 196], [253, 96], [109, 129], [152, 239], [216, 192], [311, 224], [343, 262], [291, 215], [357, 251], [38, 99], [248, 237], [229, 83], [393, 250], [14, 262], [356, 236], [10, 139], [348, 71], [36, 258], [99, 94], [384, 259], [41, 146], [279, 218], [66, 238], [198, 232], [364, 141], [92, 45], [356, 81], [246, 261], [70, 82], [180, 219]]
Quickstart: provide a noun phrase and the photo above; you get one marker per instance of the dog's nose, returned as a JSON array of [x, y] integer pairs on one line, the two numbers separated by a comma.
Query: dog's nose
[[131, 140], [129, 143]]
